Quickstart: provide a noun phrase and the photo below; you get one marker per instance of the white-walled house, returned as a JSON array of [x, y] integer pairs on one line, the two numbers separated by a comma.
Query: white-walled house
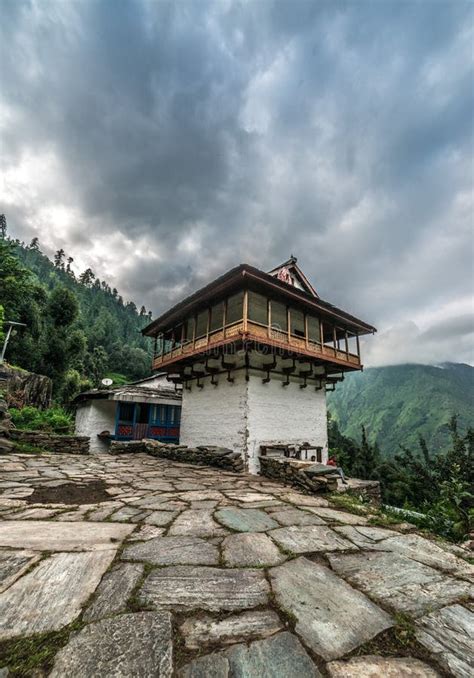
[[256, 353], [150, 408]]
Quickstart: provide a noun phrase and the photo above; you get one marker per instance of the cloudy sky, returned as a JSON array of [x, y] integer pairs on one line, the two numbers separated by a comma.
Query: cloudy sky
[[163, 142]]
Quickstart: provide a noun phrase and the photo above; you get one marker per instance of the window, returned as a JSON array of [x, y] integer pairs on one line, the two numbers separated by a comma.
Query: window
[[177, 335], [158, 414], [235, 308], [279, 317], [201, 323], [217, 317], [297, 323], [167, 341], [188, 330], [174, 415], [258, 308], [126, 411], [313, 329]]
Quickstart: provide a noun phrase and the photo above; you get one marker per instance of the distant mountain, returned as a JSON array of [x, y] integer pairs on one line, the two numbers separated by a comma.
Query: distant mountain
[[398, 403]]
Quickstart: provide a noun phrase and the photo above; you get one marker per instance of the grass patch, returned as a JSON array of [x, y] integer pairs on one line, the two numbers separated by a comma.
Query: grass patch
[[26, 448], [34, 655], [351, 504]]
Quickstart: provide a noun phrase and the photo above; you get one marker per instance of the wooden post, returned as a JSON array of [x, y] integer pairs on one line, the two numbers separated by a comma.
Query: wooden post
[[224, 316], [194, 331], [182, 333], [306, 330], [269, 314], [347, 343], [358, 345], [246, 310], [288, 322], [208, 324], [321, 335], [334, 339]]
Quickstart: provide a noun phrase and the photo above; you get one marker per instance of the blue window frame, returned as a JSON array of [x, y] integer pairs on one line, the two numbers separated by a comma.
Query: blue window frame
[[135, 421]]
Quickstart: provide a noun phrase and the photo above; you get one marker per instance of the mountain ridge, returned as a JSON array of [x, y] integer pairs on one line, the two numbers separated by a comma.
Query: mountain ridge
[[398, 403]]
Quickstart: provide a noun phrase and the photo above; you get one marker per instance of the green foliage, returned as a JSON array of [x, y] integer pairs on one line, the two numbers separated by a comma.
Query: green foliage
[[53, 420], [399, 403], [438, 485], [75, 326]]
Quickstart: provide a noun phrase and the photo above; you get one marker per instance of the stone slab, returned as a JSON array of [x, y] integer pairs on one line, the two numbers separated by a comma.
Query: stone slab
[[146, 532], [448, 635], [160, 518], [13, 564], [371, 666], [331, 617], [184, 587], [41, 535], [114, 591], [205, 630], [309, 539], [245, 520], [52, 594], [395, 580], [294, 516], [344, 517], [280, 656], [429, 553], [367, 538], [251, 549], [198, 523], [128, 645], [174, 551]]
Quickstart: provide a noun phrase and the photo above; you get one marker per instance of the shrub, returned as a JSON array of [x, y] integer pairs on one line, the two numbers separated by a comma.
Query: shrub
[[53, 420]]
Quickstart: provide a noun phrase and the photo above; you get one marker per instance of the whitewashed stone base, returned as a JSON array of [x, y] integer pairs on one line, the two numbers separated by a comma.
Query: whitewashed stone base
[[246, 414]]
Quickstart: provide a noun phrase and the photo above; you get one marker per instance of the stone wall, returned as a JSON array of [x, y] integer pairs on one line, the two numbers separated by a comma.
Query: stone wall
[[52, 442], [6, 445], [203, 455], [25, 388], [296, 473], [364, 490]]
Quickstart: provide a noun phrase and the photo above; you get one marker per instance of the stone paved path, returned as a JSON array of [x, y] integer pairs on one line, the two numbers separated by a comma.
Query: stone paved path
[[189, 571]]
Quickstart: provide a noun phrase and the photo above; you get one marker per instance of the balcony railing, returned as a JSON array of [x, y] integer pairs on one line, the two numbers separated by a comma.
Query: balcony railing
[[260, 334]]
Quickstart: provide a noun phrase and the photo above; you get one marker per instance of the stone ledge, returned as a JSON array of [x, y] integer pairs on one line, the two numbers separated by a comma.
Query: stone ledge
[[52, 442], [296, 473], [203, 455]]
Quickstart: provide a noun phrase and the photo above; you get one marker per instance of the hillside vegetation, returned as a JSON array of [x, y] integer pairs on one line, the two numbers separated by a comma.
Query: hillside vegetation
[[398, 404], [78, 329]]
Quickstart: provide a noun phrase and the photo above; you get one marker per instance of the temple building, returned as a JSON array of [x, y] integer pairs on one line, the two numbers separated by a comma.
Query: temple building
[[255, 353]]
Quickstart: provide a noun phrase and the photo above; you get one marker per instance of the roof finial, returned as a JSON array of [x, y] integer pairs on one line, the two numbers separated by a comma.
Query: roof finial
[[293, 258]]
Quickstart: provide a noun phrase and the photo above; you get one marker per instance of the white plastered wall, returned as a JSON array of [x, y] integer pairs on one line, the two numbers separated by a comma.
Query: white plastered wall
[[246, 414], [92, 418], [287, 414], [215, 415]]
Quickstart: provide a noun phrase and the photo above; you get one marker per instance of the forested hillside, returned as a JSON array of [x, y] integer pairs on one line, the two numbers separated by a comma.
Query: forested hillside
[[397, 404], [78, 329]]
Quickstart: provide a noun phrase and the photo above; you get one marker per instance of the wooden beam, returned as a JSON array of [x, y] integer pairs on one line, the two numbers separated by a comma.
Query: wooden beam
[[246, 309]]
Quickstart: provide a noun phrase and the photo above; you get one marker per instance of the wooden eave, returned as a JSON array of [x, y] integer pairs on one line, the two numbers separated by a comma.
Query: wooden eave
[[243, 276]]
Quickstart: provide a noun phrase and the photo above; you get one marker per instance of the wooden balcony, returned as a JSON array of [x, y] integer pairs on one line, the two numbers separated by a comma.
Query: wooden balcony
[[260, 335]]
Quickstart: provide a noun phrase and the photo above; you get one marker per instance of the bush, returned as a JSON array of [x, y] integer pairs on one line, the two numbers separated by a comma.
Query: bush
[[54, 420]]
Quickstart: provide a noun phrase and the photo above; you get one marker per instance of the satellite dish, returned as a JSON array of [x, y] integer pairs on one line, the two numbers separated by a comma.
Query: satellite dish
[[107, 382]]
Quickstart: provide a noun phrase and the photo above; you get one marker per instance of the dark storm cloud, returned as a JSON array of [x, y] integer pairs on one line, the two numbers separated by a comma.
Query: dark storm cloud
[[164, 142]]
